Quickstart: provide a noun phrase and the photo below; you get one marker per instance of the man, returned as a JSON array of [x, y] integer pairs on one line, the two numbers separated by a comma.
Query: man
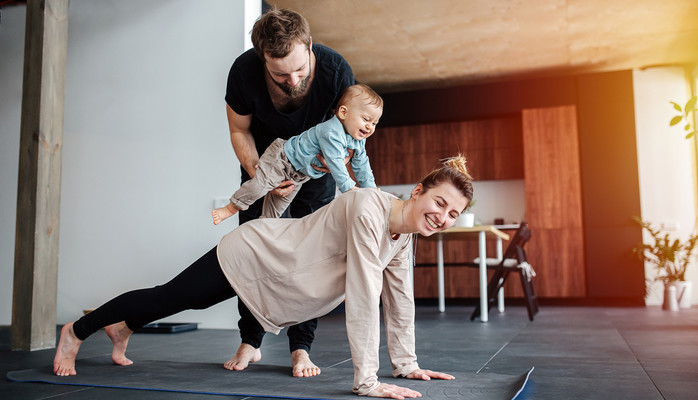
[[280, 88]]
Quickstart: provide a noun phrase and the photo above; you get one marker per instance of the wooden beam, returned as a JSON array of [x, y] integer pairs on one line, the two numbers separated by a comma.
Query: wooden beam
[[39, 183]]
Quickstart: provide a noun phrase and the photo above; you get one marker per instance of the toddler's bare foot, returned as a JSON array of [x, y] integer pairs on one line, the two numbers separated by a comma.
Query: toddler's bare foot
[[67, 350], [302, 366], [221, 214], [119, 334], [245, 355]]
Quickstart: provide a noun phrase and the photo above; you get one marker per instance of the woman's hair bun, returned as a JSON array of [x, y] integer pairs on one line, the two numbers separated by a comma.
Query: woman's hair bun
[[458, 163]]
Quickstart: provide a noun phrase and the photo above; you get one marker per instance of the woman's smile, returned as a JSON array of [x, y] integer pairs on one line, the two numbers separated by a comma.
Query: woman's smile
[[432, 223]]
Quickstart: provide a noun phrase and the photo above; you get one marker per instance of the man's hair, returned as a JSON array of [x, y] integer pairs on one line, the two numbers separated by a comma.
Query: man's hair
[[362, 90], [277, 31]]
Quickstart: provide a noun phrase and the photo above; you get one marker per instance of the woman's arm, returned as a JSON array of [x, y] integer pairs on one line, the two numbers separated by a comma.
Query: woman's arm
[[364, 284], [363, 289], [398, 313]]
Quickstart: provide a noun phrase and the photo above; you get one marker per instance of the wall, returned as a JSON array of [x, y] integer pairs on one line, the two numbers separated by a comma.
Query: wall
[[665, 165], [610, 192], [12, 50], [145, 147], [471, 102]]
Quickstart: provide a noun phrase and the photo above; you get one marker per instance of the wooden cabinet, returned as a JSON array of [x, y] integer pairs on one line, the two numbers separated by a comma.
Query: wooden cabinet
[[539, 146], [554, 200], [404, 154]]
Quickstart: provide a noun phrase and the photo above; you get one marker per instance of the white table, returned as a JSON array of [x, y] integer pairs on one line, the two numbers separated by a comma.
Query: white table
[[482, 232]]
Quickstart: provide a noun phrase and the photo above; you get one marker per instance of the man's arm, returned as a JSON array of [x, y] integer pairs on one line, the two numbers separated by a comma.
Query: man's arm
[[245, 150], [242, 140]]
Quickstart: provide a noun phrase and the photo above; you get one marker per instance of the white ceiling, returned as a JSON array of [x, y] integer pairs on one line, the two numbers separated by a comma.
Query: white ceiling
[[409, 44]]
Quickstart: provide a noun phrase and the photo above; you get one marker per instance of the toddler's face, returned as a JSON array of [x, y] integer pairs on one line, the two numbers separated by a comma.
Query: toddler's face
[[360, 118]]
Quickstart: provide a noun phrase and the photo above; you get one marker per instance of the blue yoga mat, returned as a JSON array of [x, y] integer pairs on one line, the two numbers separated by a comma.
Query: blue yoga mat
[[261, 380]]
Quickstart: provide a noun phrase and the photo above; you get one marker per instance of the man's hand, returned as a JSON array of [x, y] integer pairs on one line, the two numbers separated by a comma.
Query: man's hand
[[324, 167], [393, 392], [284, 189], [426, 375]]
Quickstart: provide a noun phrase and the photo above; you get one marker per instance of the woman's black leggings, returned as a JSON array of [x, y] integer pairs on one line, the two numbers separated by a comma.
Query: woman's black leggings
[[199, 286]]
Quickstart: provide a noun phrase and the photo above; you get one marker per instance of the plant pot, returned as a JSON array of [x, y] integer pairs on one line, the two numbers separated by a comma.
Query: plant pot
[[677, 294]]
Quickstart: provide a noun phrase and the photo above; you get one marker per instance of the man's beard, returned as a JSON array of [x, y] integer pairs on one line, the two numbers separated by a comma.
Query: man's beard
[[294, 91]]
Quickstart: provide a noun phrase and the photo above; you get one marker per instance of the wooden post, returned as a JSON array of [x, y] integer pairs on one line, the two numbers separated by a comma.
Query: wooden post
[[39, 183]]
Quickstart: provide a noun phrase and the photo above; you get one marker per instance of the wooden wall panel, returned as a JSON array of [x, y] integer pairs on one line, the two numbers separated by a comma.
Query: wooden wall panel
[[404, 154], [553, 200], [557, 256], [553, 183]]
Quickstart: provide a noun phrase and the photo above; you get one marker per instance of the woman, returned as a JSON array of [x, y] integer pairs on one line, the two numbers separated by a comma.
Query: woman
[[355, 250]]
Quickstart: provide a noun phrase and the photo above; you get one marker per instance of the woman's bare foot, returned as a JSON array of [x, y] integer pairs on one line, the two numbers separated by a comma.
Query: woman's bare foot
[[302, 366], [221, 214], [119, 334], [245, 355], [67, 350]]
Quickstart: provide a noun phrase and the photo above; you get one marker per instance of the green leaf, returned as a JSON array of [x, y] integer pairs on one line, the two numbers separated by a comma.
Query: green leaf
[[691, 103], [675, 120], [690, 135], [676, 106], [687, 127]]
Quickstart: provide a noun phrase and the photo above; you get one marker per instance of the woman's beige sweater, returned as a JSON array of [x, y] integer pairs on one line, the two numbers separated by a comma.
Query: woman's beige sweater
[[291, 270]]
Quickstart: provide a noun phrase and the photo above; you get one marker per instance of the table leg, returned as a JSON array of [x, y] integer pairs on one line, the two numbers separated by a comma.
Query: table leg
[[440, 271], [483, 277], [500, 294]]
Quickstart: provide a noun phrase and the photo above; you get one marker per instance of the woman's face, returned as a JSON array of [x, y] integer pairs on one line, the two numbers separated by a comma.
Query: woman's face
[[438, 208]]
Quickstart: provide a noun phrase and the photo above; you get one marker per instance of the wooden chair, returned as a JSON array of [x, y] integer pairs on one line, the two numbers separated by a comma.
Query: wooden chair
[[514, 260]]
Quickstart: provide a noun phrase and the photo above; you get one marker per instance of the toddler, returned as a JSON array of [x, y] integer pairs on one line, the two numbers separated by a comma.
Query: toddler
[[358, 112]]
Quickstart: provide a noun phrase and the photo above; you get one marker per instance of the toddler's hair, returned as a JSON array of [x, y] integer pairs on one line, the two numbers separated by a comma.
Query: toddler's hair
[[363, 90]]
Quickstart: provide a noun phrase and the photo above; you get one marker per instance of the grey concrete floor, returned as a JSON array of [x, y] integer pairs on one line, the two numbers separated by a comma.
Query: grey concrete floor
[[577, 352]]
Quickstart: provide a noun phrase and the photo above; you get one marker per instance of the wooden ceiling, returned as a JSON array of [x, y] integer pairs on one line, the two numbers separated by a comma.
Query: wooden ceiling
[[397, 45]]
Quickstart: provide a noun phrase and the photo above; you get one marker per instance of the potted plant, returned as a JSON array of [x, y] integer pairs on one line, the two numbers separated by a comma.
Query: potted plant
[[670, 258], [684, 116]]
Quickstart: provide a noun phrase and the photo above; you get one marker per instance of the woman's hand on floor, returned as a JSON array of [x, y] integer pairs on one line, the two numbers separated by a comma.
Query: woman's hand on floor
[[426, 374], [393, 391]]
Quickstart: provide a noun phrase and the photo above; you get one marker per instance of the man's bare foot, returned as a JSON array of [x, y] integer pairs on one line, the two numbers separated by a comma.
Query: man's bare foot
[[221, 214], [67, 350], [245, 355], [302, 366], [119, 334]]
